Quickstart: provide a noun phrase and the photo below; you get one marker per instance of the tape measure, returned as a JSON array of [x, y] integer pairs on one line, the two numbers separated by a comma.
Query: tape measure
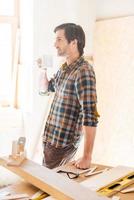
[[117, 185]]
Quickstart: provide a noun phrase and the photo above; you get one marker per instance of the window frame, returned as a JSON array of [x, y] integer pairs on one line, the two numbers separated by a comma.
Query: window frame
[[14, 21]]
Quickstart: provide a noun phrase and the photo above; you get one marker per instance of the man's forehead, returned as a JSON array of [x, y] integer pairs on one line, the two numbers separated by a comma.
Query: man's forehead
[[60, 33]]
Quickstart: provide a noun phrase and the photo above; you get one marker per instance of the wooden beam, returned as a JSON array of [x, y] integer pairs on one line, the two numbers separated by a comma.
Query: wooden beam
[[51, 182]]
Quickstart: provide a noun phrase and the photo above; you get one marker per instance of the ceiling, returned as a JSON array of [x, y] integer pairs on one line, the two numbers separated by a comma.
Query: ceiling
[[114, 8]]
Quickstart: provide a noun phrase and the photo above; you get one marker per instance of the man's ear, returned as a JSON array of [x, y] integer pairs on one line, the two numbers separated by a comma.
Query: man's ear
[[74, 42]]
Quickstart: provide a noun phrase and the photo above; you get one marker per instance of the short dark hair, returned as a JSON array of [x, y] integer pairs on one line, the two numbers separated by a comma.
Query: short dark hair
[[73, 31]]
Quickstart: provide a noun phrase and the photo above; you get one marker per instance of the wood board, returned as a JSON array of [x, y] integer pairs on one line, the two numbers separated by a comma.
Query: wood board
[[101, 180], [51, 182]]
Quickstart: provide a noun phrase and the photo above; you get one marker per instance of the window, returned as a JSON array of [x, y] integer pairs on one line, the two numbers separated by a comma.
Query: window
[[9, 51]]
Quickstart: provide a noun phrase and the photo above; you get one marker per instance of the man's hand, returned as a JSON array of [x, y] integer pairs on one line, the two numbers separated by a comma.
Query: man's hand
[[89, 136], [82, 163]]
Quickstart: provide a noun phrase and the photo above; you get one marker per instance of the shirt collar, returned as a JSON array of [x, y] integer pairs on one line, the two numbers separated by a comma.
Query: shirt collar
[[77, 62]]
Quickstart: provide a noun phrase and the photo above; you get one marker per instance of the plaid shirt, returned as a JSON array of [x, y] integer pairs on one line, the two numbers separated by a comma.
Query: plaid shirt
[[74, 104]]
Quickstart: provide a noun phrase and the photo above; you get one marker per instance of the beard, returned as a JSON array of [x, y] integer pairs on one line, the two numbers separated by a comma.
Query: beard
[[61, 52]]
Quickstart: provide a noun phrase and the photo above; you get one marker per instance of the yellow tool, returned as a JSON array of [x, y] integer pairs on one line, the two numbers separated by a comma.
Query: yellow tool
[[41, 196], [117, 185]]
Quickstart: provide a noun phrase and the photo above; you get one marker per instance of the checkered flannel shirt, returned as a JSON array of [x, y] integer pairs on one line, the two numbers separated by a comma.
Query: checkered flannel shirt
[[74, 104]]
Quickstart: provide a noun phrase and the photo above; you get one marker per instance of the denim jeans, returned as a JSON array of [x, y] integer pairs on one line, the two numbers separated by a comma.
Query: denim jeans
[[54, 157]]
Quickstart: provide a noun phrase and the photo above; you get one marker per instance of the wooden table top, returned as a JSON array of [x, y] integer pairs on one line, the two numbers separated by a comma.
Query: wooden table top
[[126, 196], [24, 187]]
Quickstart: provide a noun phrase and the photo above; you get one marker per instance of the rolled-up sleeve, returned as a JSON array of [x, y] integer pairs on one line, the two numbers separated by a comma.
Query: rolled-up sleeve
[[53, 82], [85, 84], [51, 85]]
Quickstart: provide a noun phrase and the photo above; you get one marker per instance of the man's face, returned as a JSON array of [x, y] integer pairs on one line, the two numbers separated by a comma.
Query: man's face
[[61, 43]]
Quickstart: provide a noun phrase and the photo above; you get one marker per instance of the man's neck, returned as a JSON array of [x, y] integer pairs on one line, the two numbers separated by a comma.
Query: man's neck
[[72, 58]]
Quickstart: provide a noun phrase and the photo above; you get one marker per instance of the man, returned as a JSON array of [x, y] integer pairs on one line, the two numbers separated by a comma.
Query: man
[[73, 110]]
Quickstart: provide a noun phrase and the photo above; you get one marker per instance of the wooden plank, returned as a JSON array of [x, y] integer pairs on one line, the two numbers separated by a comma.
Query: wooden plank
[[19, 188], [52, 182], [104, 179]]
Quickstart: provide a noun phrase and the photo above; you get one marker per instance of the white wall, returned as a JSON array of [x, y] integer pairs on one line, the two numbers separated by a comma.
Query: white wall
[[49, 14]]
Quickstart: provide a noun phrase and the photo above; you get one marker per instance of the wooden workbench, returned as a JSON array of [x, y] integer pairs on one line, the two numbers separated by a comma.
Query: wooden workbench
[[66, 185], [126, 196], [51, 182]]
